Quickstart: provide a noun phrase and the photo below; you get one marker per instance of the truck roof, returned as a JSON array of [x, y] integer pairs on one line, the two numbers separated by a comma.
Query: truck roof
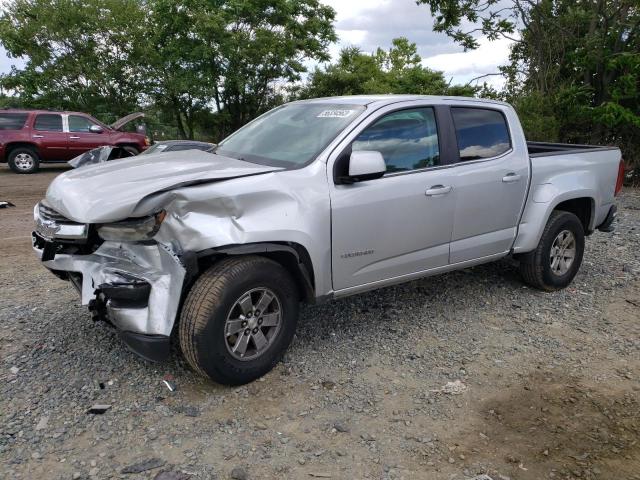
[[394, 98]]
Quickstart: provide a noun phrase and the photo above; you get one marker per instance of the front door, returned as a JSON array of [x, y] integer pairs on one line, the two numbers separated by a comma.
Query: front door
[[81, 139], [399, 224]]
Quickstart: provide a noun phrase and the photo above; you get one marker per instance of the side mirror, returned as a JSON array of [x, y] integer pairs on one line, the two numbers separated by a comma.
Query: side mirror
[[96, 129], [366, 165]]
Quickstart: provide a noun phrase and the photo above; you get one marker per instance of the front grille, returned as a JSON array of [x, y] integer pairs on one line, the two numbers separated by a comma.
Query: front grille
[[48, 214]]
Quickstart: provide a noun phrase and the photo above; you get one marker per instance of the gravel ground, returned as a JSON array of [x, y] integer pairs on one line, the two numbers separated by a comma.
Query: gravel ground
[[542, 385]]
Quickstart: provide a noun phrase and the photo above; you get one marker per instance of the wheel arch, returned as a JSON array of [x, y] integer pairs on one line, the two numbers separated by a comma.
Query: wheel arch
[[581, 203], [10, 146], [292, 256], [129, 144], [581, 207]]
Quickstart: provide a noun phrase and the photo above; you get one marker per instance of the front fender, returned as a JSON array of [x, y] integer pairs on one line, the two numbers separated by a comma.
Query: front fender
[[281, 207]]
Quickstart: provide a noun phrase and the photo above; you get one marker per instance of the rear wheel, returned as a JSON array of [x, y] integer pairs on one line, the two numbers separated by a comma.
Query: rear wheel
[[238, 319], [24, 160], [556, 260]]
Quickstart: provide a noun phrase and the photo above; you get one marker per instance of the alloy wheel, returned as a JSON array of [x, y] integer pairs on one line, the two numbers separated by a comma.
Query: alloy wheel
[[563, 252], [253, 324]]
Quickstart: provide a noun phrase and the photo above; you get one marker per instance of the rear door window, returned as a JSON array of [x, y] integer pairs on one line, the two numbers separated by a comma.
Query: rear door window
[[49, 122], [481, 133], [12, 121]]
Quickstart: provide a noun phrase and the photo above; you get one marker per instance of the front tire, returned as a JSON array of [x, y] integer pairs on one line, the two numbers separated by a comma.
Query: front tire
[[238, 319], [132, 150], [557, 259], [23, 160]]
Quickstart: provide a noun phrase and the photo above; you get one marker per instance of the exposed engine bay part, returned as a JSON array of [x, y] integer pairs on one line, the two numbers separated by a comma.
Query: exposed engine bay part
[[136, 287], [118, 124], [99, 155]]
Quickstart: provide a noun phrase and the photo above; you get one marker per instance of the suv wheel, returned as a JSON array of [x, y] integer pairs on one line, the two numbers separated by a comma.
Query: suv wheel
[[132, 150], [238, 319], [556, 260], [24, 160]]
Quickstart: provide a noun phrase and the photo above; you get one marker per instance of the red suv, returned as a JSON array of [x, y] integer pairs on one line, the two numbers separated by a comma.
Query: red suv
[[31, 137]]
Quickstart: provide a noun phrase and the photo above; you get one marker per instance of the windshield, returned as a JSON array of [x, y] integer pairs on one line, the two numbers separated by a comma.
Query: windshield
[[289, 136]]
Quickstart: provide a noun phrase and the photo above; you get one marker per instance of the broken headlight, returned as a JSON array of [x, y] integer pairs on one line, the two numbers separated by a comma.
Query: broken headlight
[[132, 229]]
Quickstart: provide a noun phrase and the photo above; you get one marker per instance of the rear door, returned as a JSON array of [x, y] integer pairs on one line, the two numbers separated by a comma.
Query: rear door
[[491, 181], [392, 227], [81, 138], [49, 136]]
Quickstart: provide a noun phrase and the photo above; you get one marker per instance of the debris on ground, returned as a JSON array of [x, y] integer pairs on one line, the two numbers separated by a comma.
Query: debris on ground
[[42, 424], [143, 466], [452, 388], [98, 409], [170, 382], [4, 204]]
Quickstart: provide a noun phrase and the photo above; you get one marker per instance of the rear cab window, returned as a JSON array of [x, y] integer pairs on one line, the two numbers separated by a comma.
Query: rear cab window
[[12, 121], [49, 122], [481, 133]]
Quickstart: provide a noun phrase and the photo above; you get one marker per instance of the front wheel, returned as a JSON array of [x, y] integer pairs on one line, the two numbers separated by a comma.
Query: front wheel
[[556, 260], [133, 151], [238, 319]]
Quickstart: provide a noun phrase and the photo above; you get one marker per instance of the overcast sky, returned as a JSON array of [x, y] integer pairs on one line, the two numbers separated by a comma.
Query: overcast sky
[[369, 24]]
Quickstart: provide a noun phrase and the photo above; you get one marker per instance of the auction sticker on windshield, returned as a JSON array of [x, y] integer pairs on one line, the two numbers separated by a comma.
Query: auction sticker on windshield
[[335, 113]]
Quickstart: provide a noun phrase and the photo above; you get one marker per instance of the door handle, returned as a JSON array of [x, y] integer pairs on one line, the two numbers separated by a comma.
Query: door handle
[[74, 138], [38, 136], [511, 178], [438, 190]]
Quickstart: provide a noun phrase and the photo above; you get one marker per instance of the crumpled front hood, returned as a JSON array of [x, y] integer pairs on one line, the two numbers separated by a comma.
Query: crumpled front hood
[[110, 191]]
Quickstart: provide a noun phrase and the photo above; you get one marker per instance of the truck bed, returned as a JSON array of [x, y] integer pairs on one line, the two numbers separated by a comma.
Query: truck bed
[[545, 149]]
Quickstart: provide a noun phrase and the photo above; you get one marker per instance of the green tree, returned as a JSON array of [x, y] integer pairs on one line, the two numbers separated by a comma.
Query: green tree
[[188, 58], [398, 70], [263, 43], [574, 71], [84, 55]]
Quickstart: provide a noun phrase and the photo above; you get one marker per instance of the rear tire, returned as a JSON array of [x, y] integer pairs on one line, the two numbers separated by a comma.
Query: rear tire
[[24, 160], [224, 300], [556, 261]]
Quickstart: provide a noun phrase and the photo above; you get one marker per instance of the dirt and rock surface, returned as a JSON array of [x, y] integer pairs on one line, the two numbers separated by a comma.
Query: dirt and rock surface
[[542, 385]]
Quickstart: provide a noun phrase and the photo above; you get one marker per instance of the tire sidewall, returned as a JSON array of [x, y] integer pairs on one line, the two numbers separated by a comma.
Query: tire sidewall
[[15, 152], [213, 355], [570, 222], [132, 150]]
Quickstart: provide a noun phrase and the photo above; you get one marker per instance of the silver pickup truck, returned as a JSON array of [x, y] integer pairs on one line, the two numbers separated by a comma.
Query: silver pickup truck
[[315, 200]]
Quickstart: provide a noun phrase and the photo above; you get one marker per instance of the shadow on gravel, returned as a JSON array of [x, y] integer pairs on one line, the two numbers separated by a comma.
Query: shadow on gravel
[[380, 309], [550, 421]]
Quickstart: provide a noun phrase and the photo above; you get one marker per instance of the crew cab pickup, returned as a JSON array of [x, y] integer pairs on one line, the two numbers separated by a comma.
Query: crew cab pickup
[[31, 137], [315, 200]]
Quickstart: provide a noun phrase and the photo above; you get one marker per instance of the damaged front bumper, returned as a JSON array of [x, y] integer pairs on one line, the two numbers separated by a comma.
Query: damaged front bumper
[[137, 287]]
